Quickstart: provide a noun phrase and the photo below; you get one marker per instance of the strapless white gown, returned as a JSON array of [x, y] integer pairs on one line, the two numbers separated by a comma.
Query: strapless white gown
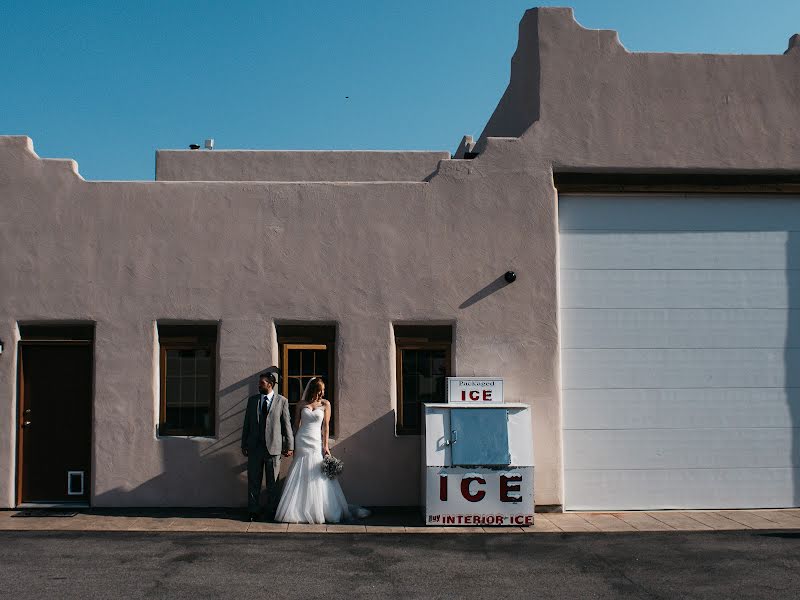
[[308, 495]]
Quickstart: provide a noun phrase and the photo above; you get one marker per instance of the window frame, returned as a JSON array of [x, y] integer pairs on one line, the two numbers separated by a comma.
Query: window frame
[[409, 344], [188, 342], [285, 345]]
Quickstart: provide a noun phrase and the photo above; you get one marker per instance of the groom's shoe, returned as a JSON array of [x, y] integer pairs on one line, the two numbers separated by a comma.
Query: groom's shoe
[[253, 517]]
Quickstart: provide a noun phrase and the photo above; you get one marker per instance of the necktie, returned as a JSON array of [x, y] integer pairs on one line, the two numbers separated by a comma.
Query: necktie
[[264, 412], [264, 408]]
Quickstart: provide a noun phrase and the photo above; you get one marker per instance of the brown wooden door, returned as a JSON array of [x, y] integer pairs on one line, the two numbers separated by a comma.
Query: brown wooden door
[[55, 421]]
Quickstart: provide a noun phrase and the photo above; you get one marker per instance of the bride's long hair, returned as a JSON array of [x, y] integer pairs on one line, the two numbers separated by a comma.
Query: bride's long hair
[[312, 387]]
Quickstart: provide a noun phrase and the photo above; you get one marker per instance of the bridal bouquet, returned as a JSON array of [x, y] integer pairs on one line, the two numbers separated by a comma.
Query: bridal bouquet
[[332, 466]]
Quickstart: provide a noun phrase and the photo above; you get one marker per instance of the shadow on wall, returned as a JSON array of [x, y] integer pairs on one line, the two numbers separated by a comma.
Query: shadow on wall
[[197, 471], [486, 291], [378, 464], [231, 418], [213, 473], [790, 352]]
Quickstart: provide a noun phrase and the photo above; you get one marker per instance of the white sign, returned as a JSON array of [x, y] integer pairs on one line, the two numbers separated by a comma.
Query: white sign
[[479, 496], [477, 390]]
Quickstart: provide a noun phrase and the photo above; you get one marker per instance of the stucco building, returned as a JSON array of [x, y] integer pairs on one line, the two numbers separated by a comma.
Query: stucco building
[[648, 203]]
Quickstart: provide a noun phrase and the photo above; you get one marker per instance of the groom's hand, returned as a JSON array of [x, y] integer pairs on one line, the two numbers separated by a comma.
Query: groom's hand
[[288, 453], [244, 451]]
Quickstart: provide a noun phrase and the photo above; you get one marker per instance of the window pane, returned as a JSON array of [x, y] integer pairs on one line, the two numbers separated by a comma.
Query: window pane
[[294, 362], [424, 374], [425, 380], [295, 389], [413, 375], [188, 386], [188, 394], [204, 419], [409, 361], [173, 391], [172, 418], [203, 391], [440, 375], [173, 362], [203, 362], [187, 362], [307, 362], [409, 393], [321, 363]]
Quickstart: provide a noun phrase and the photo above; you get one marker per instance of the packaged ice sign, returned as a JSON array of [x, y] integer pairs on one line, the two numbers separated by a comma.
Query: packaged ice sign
[[474, 389], [478, 464]]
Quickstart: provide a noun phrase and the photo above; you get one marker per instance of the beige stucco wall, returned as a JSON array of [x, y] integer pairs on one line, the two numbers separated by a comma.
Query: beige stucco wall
[[362, 255], [578, 100], [295, 165], [124, 255]]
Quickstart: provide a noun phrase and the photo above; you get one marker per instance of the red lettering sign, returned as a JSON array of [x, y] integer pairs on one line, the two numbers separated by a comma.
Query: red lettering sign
[[468, 495], [477, 395], [510, 483], [522, 520]]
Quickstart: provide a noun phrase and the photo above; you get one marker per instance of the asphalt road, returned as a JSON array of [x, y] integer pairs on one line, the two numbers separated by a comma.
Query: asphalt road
[[191, 565]]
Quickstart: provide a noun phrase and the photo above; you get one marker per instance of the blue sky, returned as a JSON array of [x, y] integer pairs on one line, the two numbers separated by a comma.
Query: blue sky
[[107, 83]]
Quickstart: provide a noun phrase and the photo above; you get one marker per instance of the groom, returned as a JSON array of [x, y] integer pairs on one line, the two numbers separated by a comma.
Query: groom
[[267, 430]]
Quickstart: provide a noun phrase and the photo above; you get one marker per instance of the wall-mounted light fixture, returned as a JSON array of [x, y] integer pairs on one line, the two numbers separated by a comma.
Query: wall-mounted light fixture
[[510, 277], [1, 346]]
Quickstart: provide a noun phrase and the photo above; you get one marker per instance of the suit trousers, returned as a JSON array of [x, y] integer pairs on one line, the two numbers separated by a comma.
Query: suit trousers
[[260, 465]]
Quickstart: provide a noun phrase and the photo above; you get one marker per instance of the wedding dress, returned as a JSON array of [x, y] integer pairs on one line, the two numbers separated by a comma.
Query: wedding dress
[[308, 495]]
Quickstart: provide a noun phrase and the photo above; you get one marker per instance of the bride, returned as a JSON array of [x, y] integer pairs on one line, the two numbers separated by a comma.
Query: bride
[[308, 495]]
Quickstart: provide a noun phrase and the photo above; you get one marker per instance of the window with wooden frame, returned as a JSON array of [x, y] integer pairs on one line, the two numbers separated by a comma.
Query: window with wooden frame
[[307, 351], [423, 365], [188, 367]]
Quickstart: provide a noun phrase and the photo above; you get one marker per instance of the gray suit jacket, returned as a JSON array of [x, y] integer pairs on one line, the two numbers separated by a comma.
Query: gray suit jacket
[[278, 434]]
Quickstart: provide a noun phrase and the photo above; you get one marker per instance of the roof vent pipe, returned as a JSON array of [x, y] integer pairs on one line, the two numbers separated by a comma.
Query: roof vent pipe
[[210, 144]]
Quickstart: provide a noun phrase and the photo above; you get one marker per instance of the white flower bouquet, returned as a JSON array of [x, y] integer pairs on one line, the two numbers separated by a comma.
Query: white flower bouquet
[[332, 467]]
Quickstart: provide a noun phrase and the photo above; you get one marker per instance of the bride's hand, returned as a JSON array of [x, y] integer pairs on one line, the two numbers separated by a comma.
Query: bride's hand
[[326, 451]]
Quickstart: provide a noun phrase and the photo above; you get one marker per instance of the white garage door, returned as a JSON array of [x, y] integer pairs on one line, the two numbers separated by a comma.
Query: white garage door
[[680, 333]]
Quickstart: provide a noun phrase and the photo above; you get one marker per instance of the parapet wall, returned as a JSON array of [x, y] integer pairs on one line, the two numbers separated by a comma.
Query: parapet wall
[[263, 165], [580, 101]]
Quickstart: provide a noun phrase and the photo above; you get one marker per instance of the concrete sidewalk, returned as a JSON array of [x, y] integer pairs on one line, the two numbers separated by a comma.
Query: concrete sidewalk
[[233, 520]]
